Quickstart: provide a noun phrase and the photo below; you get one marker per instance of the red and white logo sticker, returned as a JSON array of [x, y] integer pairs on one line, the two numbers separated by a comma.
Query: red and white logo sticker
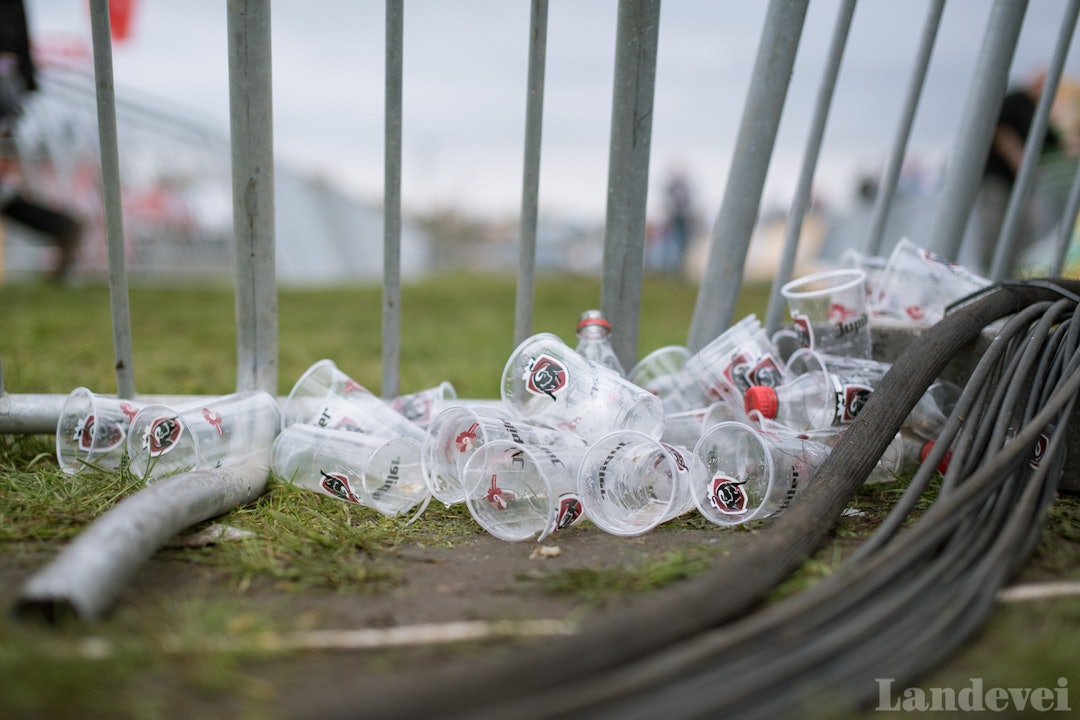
[[545, 376], [728, 495], [108, 437], [338, 485], [570, 511], [162, 435]]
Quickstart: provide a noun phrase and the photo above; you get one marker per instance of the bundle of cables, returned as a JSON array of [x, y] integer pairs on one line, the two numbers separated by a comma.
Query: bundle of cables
[[910, 596]]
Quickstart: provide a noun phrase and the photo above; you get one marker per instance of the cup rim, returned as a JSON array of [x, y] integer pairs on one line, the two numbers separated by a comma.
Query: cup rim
[[72, 468], [854, 277], [304, 377], [552, 507], [596, 515]]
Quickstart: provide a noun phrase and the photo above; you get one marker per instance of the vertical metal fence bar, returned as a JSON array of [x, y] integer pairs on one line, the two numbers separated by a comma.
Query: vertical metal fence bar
[[1066, 229], [801, 202], [891, 174], [110, 193], [976, 128], [391, 308], [252, 138], [530, 188], [735, 222], [636, 36], [1005, 252]]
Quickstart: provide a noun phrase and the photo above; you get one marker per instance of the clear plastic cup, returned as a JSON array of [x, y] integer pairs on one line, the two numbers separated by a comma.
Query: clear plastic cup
[[377, 472], [741, 356], [92, 431], [661, 373], [551, 384], [458, 431], [631, 482], [421, 407], [202, 435], [917, 285], [751, 473], [829, 310], [518, 492], [327, 397]]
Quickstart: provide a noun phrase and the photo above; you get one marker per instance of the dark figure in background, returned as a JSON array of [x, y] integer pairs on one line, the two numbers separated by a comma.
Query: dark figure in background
[[680, 224], [17, 79], [1003, 163]]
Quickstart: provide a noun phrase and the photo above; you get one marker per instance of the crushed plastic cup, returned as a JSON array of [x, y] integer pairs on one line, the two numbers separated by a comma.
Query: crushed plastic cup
[[872, 265], [517, 491], [422, 406], [740, 357], [829, 310], [458, 431], [92, 431], [550, 383], [203, 434], [751, 473], [917, 285], [381, 473], [631, 482], [661, 372], [327, 397]]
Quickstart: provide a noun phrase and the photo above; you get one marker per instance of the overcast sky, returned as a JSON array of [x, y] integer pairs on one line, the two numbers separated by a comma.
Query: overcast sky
[[464, 89]]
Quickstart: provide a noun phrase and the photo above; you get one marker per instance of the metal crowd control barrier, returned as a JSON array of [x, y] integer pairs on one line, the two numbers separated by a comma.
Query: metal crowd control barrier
[[252, 161]]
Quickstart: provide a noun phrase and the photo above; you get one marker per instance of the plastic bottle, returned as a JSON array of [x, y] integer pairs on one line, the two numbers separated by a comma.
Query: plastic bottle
[[594, 341], [928, 416]]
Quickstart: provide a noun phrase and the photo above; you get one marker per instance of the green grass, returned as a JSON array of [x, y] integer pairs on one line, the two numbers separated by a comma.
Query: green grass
[[457, 328]]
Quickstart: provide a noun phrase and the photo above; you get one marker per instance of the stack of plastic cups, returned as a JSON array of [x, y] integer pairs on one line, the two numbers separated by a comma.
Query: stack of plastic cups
[[457, 432], [750, 473], [739, 358], [519, 491], [203, 434], [327, 397], [630, 482], [377, 472], [549, 383], [92, 431]]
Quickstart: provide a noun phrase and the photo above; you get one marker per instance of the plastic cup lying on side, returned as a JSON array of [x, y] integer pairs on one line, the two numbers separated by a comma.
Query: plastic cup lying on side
[[551, 384], [917, 285], [92, 431], [661, 373], [377, 472], [457, 432], [327, 397], [422, 406], [517, 491], [202, 435], [631, 482], [741, 356], [751, 474], [829, 311]]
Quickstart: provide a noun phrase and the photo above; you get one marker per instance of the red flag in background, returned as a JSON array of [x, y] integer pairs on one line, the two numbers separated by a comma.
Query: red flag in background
[[121, 13]]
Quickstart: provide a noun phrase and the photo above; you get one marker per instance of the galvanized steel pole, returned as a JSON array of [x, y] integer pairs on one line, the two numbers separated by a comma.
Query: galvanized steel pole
[[976, 128], [628, 172], [734, 226], [110, 193], [391, 307], [251, 126], [801, 202], [889, 177], [530, 188]]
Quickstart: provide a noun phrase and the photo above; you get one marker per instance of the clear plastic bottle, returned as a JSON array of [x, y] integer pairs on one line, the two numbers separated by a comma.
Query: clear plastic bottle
[[594, 341]]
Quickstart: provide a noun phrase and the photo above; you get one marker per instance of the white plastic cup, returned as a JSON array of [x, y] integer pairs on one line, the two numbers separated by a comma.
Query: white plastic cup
[[422, 406], [829, 311], [551, 384], [750, 473], [741, 356], [458, 431], [661, 373], [92, 431], [917, 285], [518, 492], [203, 434], [631, 482], [327, 397], [377, 472]]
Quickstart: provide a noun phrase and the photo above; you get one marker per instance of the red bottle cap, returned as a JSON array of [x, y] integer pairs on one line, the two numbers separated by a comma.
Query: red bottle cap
[[944, 464], [761, 398]]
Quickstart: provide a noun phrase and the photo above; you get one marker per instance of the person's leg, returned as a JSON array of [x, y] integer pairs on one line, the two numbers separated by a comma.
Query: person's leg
[[64, 229]]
